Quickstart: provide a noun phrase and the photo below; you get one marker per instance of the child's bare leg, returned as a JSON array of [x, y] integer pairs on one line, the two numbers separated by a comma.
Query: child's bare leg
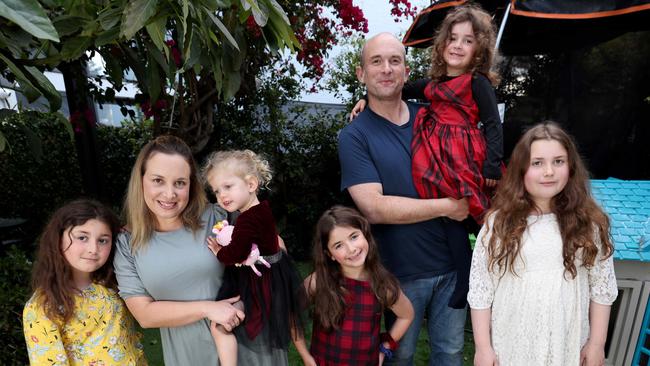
[[226, 344]]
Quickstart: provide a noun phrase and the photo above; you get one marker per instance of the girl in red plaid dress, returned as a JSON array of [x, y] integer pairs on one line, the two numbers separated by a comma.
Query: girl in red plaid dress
[[350, 290], [457, 145]]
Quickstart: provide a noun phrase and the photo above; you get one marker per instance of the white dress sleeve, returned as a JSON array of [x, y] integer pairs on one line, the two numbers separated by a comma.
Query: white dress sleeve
[[602, 280], [481, 282]]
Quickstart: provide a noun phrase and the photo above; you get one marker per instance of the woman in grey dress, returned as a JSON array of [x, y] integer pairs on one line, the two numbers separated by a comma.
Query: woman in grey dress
[[167, 275]]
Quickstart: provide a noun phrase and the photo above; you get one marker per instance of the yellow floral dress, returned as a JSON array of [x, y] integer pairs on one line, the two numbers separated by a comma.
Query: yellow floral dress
[[101, 332]]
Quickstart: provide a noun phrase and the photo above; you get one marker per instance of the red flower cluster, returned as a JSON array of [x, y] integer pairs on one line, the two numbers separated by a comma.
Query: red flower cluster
[[153, 111], [77, 118], [352, 18], [402, 8], [315, 39], [252, 27], [176, 54]]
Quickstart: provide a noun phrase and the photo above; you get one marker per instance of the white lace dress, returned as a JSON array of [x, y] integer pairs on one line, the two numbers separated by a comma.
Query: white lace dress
[[539, 317]]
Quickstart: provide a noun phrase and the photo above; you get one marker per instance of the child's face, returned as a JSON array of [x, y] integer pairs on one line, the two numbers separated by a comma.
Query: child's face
[[548, 172], [233, 192], [86, 248], [460, 48], [349, 247]]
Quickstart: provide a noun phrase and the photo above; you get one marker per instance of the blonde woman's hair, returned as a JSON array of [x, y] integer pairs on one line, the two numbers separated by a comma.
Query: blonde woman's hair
[[140, 221], [244, 163]]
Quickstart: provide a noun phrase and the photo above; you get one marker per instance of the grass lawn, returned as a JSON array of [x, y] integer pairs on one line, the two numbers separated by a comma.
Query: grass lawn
[[153, 349]]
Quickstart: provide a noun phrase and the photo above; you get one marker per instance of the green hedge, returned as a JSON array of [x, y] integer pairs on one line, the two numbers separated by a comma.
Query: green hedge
[[15, 268], [39, 167], [118, 147]]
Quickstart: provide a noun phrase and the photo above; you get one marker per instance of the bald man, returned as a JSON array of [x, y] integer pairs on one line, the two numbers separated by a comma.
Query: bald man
[[375, 156]]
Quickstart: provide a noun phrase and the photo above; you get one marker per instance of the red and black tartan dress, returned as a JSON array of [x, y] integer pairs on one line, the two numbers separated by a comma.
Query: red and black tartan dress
[[356, 342], [448, 149]]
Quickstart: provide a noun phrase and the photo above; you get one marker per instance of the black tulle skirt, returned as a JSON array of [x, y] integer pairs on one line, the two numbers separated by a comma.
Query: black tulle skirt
[[282, 309]]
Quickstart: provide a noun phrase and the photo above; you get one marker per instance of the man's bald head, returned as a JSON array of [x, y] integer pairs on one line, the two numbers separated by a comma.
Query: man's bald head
[[377, 39]]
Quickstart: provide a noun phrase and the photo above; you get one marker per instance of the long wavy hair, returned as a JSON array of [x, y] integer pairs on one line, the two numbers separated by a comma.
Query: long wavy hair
[[581, 221], [140, 221], [329, 293], [52, 280], [485, 34]]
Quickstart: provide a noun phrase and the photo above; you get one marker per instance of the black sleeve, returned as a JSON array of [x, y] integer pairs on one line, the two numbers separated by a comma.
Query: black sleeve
[[415, 89], [486, 101]]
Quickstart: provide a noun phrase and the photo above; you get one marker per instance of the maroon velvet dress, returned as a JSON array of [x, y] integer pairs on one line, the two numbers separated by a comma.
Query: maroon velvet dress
[[448, 148], [273, 302]]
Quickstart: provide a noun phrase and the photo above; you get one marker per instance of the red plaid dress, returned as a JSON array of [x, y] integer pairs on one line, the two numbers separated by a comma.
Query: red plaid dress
[[356, 342], [448, 149]]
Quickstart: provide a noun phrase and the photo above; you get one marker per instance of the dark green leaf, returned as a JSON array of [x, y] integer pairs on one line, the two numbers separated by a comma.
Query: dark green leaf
[[30, 16], [233, 81], [113, 69], [34, 142], [75, 47], [156, 30], [26, 85], [153, 79], [107, 37], [68, 24], [46, 87], [3, 142], [136, 15], [109, 17], [223, 29]]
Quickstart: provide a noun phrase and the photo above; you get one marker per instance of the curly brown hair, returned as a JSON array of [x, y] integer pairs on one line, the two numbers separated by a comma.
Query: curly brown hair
[[52, 280], [329, 293], [581, 221], [484, 33]]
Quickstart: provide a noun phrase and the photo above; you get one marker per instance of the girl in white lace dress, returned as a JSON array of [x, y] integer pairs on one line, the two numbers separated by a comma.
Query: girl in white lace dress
[[542, 277]]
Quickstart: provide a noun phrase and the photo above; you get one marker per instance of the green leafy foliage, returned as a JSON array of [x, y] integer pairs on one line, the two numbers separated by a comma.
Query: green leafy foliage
[[15, 268], [40, 170], [30, 16], [118, 148]]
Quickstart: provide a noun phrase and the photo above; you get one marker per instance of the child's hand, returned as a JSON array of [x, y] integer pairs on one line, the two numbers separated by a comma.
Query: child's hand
[[491, 182], [358, 108], [213, 245], [592, 354], [308, 360], [485, 356]]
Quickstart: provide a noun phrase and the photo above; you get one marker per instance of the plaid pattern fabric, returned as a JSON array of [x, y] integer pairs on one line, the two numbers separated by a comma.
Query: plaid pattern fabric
[[357, 340], [448, 149]]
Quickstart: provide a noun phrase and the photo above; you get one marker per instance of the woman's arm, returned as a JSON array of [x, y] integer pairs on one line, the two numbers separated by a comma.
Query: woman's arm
[[486, 101], [155, 314]]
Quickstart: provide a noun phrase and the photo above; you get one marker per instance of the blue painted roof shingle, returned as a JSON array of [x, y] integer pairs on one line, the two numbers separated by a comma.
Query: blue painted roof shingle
[[628, 205]]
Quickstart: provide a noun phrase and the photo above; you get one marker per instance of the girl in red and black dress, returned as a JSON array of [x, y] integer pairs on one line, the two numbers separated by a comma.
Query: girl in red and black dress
[[350, 290], [457, 146]]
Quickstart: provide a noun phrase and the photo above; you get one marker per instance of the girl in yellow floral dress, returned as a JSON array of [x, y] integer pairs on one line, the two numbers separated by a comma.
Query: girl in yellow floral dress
[[75, 316]]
